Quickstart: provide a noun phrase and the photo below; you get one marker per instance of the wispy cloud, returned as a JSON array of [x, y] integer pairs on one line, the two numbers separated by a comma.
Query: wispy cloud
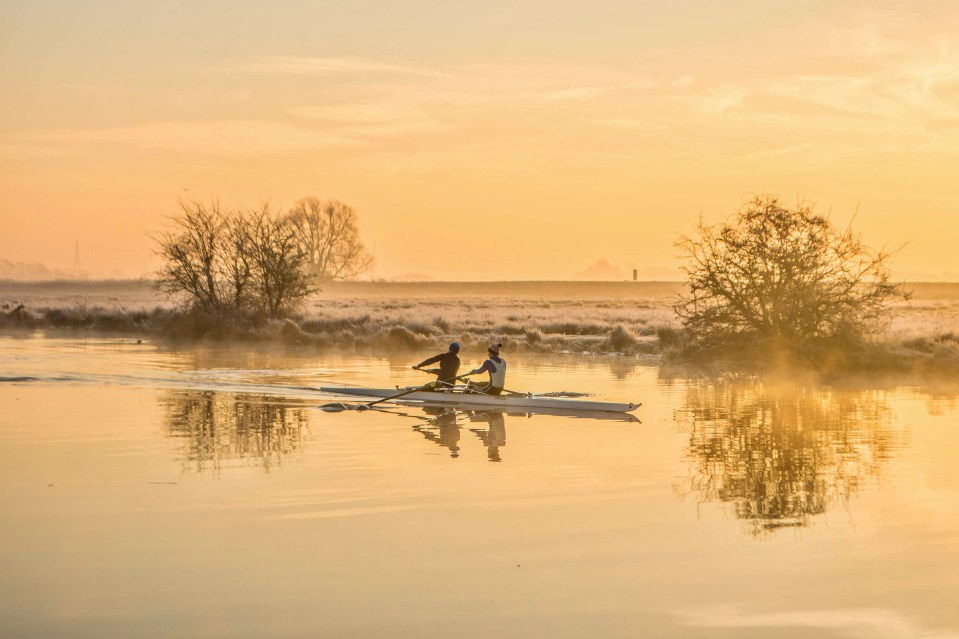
[[578, 93], [297, 65], [370, 120], [863, 39], [910, 92], [582, 93], [226, 138], [628, 123], [723, 98], [931, 82], [794, 149], [233, 138], [359, 112], [886, 624]]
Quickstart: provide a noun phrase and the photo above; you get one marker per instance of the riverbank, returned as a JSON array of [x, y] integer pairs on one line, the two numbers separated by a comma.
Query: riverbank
[[631, 319], [566, 316]]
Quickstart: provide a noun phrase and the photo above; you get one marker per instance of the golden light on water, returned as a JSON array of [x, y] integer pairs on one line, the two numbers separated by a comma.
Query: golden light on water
[[211, 471], [158, 484]]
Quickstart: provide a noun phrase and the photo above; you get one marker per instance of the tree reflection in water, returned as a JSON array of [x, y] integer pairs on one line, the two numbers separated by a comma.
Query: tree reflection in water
[[783, 454], [217, 428]]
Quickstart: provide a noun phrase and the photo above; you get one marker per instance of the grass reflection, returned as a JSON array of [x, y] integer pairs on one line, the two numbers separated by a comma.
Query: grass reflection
[[217, 429], [783, 454]]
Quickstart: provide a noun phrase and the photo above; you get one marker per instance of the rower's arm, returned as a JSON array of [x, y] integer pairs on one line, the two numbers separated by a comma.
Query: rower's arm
[[487, 367], [431, 360]]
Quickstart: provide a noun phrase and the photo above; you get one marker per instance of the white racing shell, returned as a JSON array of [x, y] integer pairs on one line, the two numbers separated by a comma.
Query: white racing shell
[[497, 401]]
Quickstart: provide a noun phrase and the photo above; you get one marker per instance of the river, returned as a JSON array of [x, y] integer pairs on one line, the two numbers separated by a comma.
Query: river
[[158, 491]]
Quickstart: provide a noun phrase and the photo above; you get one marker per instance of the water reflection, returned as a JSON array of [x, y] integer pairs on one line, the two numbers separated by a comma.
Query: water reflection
[[215, 429], [441, 425], [441, 428], [782, 454], [494, 435]]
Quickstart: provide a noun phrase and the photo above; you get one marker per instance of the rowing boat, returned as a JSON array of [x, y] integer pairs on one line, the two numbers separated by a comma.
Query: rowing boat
[[507, 401], [478, 412]]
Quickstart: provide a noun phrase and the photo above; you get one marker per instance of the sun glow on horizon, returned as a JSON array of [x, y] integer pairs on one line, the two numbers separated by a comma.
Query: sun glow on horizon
[[516, 142]]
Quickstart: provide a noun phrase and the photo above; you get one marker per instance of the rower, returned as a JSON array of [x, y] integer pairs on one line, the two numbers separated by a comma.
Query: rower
[[496, 367], [449, 365]]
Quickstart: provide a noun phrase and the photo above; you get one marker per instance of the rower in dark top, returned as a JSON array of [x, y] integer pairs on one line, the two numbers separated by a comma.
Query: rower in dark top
[[496, 367], [449, 366]]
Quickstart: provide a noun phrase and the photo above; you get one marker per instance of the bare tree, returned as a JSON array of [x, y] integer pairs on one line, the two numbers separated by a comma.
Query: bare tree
[[250, 261], [191, 254], [330, 237], [279, 262], [775, 275], [237, 269]]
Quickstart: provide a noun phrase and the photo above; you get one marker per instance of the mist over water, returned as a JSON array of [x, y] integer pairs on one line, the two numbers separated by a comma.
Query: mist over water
[[198, 491]]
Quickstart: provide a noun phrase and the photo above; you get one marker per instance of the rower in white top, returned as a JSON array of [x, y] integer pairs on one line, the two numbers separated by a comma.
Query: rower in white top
[[496, 367]]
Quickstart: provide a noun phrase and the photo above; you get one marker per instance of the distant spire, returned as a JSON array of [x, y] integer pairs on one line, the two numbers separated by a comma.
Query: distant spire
[[76, 256]]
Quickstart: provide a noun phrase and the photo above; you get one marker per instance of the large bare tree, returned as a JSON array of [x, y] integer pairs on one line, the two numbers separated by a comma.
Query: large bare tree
[[237, 268], [329, 235], [782, 276], [279, 261], [250, 261]]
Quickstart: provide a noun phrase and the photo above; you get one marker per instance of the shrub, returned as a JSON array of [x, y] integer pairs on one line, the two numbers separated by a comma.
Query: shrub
[[534, 336], [670, 336], [402, 337], [782, 277], [18, 317], [621, 339], [421, 329]]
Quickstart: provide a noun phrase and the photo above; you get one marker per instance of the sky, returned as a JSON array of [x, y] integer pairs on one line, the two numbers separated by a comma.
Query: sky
[[479, 141]]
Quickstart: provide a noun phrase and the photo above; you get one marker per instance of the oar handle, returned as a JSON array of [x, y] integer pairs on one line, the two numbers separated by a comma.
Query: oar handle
[[405, 392]]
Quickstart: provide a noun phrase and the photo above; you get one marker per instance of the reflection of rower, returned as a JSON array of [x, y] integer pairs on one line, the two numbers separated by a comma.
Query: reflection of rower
[[495, 436], [449, 431]]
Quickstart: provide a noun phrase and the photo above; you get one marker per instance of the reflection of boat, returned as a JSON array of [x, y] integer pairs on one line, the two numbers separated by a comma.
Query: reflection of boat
[[517, 401], [441, 424], [529, 412]]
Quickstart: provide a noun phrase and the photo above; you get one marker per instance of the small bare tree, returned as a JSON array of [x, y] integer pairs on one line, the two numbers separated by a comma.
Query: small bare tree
[[780, 276], [329, 235]]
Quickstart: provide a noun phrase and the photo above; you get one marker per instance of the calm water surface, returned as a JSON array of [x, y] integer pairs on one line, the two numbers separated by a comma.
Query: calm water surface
[[200, 492]]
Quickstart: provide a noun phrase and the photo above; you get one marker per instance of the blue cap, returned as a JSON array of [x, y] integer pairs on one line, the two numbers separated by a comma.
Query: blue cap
[[455, 347]]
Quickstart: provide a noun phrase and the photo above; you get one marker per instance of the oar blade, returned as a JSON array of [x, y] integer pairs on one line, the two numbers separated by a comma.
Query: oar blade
[[336, 407]]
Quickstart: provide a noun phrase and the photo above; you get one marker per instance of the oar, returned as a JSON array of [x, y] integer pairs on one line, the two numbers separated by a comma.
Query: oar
[[336, 407]]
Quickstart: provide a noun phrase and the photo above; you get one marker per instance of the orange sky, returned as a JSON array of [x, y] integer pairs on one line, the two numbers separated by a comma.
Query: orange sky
[[517, 140]]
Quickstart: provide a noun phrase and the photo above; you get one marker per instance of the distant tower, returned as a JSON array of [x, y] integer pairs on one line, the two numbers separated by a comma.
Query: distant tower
[[76, 256]]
